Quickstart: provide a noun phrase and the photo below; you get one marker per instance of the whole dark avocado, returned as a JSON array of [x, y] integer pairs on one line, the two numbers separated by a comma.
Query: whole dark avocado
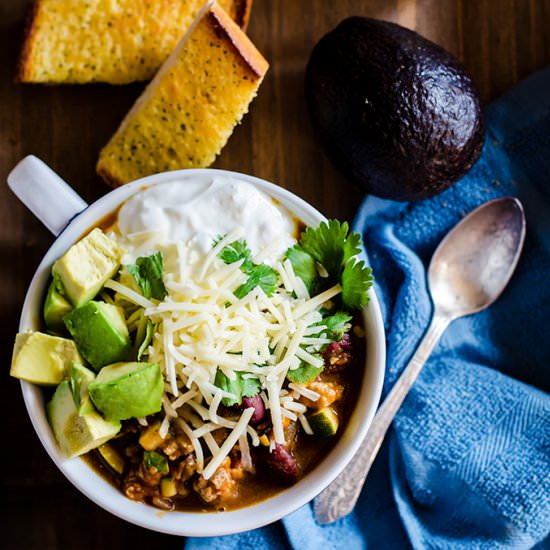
[[396, 112]]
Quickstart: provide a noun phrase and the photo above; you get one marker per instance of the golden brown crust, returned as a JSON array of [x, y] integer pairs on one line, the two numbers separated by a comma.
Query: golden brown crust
[[107, 176], [59, 41], [242, 13], [227, 29], [23, 69], [149, 141]]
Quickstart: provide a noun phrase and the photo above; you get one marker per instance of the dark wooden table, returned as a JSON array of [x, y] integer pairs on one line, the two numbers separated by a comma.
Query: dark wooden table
[[500, 42]]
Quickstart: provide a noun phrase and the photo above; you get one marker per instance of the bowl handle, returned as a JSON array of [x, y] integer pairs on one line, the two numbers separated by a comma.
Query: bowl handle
[[53, 201]]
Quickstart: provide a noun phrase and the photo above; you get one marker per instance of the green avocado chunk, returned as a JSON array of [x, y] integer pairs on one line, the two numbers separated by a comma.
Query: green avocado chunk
[[41, 358], [323, 422], [86, 266], [81, 378], [100, 333], [77, 434], [55, 308], [126, 390]]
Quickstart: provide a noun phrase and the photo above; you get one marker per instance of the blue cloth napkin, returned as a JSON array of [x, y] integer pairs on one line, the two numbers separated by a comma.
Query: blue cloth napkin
[[468, 462]]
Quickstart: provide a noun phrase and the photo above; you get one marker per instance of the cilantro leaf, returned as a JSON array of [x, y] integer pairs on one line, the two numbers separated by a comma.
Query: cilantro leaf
[[152, 459], [356, 280], [231, 386], [336, 249], [262, 274], [259, 275], [251, 387], [303, 265], [330, 245], [147, 272], [337, 325], [304, 373], [235, 251], [352, 246], [240, 387]]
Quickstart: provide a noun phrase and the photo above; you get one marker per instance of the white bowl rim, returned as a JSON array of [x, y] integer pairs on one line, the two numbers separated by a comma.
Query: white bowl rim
[[100, 491]]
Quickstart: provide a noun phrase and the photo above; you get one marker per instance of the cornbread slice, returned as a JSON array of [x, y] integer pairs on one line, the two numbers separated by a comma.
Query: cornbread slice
[[115, 41], [187, 113]]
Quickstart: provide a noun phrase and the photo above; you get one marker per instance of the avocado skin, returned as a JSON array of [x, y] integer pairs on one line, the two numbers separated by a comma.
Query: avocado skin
[[397, 113]]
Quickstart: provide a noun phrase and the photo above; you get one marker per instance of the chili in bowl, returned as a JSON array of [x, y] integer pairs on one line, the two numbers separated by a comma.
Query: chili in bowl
[[221, 351]]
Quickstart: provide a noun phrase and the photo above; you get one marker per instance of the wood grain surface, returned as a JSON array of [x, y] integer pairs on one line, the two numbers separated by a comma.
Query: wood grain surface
[[499, 41]]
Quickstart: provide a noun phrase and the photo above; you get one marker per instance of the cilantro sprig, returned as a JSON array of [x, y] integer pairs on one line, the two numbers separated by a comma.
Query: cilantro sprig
[[337, 325], [303, 265], [336, 249], [304, 373], [356, 279], [235, 251], [240, 387], [258, 274], [331, 244], [147, 271]]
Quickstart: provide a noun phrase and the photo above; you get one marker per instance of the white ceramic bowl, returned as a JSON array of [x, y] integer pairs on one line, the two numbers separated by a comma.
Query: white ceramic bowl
[[55, 203]]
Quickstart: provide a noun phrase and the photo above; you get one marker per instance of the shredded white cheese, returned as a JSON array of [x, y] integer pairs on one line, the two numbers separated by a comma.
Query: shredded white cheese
[[164, 426], [246, 458], [227, 445], [128, 293], [186, 429], [305, 424], [211, 443], [317, 301], [306, 392], [289, 414], [202, 328]]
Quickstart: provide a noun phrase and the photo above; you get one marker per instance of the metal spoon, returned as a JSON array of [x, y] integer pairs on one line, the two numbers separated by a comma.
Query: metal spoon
[[468, 272]]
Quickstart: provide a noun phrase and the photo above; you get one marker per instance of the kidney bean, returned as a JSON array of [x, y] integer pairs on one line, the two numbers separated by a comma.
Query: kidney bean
[[337, 355], [259, 408], [283, 462]]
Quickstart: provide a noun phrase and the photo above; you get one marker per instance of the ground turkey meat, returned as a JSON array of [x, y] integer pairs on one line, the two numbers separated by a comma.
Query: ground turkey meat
[[222, 485]]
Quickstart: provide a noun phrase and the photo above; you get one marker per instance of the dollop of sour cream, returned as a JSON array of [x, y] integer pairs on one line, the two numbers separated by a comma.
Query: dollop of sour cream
[[197, 211]]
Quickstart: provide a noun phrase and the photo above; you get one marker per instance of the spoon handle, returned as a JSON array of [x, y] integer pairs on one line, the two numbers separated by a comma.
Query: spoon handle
[[339, 498]]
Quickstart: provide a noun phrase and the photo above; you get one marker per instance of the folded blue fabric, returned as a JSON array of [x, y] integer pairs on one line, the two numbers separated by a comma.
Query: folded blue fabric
[[468, 462]]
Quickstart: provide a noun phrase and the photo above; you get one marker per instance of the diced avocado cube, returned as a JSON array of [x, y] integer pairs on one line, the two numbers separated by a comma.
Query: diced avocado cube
[[323, 422], [126, 390], [56, 306], [100, 333], [80, 379], [77, 434], [86, 266], [41, 358]]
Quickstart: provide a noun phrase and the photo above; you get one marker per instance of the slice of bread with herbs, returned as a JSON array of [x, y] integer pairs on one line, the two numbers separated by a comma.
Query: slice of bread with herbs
[[187, 113], [114, 41]]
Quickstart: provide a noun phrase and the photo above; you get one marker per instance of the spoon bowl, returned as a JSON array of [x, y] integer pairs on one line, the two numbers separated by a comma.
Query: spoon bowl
[[475, 261]]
